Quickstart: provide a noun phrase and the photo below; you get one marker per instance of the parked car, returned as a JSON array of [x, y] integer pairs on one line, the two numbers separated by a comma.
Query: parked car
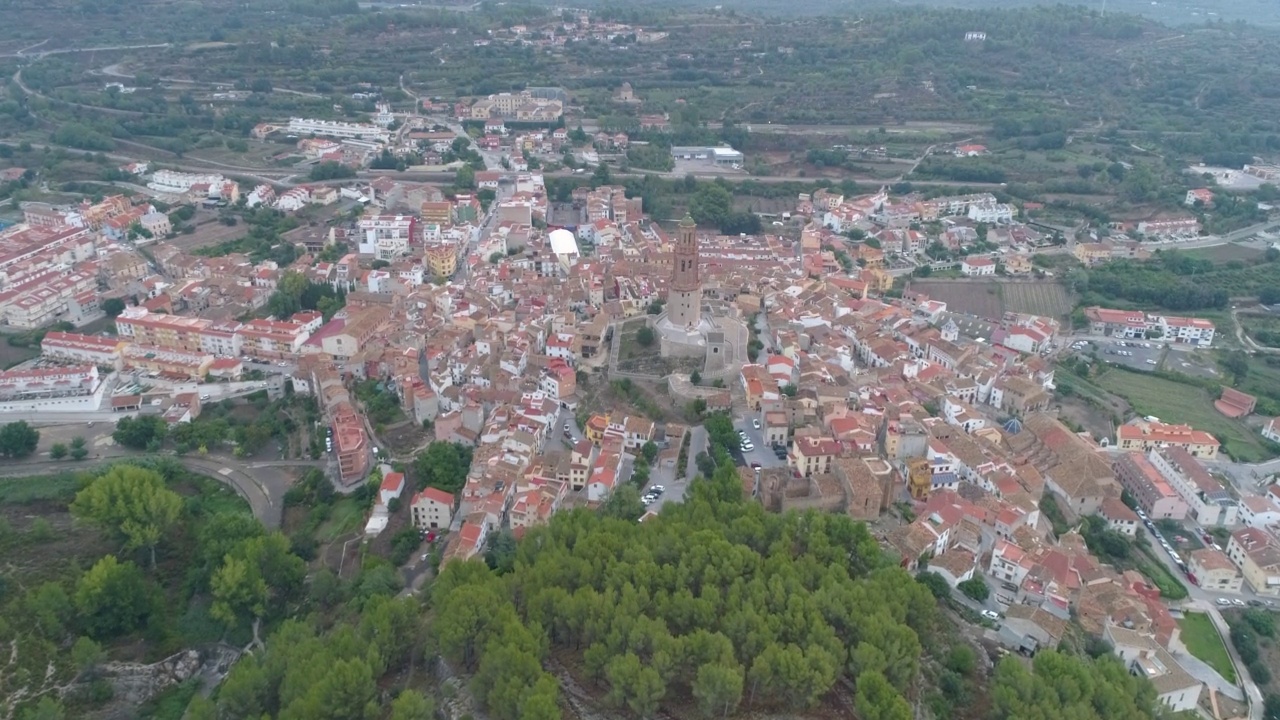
[[755, 423], [990, 614], [1237, 602], [748, 446], [1223, 601]]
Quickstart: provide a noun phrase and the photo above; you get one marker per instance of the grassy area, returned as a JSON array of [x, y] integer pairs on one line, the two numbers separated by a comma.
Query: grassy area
[[24, 490], [347, 515], [1203, 641], [1175, 402], [1170, 586]]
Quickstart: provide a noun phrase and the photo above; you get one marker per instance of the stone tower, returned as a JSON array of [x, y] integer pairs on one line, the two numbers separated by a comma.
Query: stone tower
[[684, 298]]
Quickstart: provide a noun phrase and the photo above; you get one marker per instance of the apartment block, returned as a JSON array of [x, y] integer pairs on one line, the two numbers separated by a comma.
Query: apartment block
[[1257, 553], [1157, 498], [1208, 500], [97, 350]]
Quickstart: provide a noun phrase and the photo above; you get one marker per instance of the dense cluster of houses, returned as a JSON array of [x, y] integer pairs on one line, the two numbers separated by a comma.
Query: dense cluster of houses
[[870, 400]]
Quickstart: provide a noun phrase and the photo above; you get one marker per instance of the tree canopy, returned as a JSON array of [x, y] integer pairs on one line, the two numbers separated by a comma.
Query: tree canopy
[[717, 598], [131, 503], [18, 439], [443, 465], [1067, 686]]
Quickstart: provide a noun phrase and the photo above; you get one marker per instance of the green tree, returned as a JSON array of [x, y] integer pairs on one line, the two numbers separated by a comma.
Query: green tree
[[112, 598], [331, 170], [1058, 685], [220, 535], [113, 307], [975, 588], [937, 584], [718, 688], [1236, 363], [18, 439], [501, 553], [256, 578], [649, 451], [132, 503], [634, 685], [465, 178], [78, 449], [1262, 621], [623, 503], [412, 705], [140, 433], [887, 647], [58, 451], [645, 336], [49, 608], [46, 708], [711, 204], [1271, 707], [87, 655], [443, 465], [346, 691], [876, 699]]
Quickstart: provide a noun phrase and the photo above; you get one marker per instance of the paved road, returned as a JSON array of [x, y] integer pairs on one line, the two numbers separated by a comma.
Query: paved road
[[65, 51], [697, 444], [1203, 601]]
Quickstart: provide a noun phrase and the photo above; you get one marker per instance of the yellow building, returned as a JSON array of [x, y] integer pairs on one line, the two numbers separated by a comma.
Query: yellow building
[[811, 456], [1092, 253], [442, 260], [596, 427], [919, 478], [878, 280]]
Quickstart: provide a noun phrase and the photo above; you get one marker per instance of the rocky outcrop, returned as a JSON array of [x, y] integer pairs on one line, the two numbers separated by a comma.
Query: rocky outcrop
[[135, 683]]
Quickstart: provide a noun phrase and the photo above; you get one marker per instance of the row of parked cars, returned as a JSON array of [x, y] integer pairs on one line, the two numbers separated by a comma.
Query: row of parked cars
[[652, 495], [1182, 565]]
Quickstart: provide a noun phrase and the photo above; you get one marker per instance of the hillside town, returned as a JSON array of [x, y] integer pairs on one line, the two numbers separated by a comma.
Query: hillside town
[[496, 329]]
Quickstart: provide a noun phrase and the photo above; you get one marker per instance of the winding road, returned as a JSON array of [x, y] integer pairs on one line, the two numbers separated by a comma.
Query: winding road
[[261, 484]]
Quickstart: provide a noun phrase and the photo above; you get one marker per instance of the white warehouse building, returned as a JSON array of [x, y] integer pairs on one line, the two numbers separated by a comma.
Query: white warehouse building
[[720, 154]]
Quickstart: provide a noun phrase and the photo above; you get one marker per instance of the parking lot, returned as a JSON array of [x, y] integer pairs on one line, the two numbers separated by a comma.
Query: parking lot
[[1144, 355], [761, 454]]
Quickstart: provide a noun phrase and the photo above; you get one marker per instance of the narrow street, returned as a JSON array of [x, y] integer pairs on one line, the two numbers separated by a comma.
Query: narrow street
[[1201, 601]]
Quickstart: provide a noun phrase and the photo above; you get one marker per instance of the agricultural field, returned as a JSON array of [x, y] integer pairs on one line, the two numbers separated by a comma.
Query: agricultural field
[[1175, 402], [1219, 254], [1264, 328], [990, 299]]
